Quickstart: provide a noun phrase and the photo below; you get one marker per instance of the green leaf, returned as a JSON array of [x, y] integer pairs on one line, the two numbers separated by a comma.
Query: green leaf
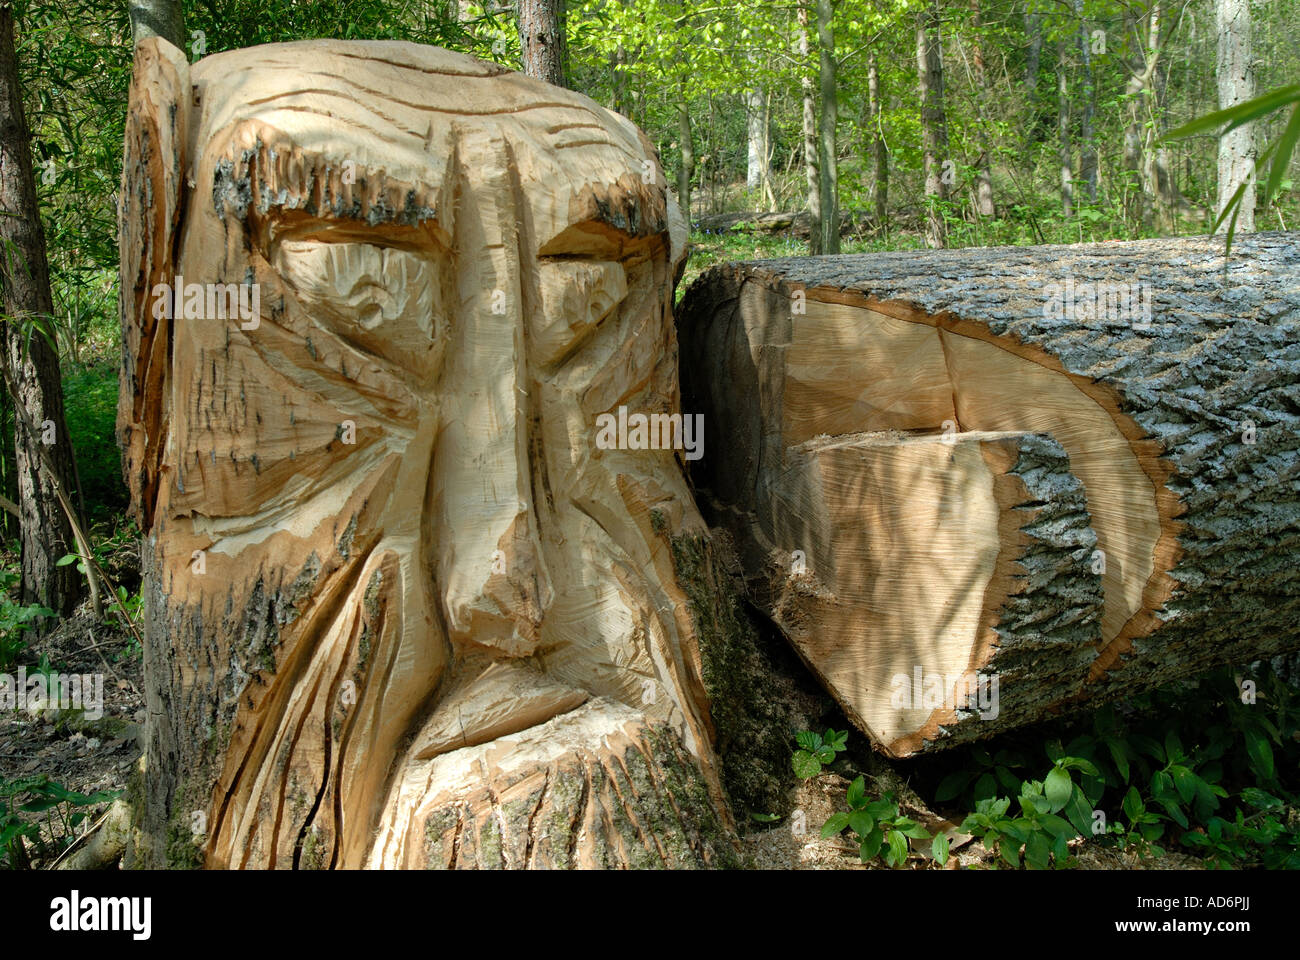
[[765, 817], [897, 855], [1260, 799], [1079, 812], [1057, 788], [808, 740], [1119, 753], [66, 559], [1285, 147], [824, 755], [985, 786], [1038, 851], [1235, 116], [883, 809], [1133, 805], [939, 848], [870, 845], [835, 824], [805, 765], [951, 786], [857, 793], [1184, 781], [861, 822], [1260, 753]]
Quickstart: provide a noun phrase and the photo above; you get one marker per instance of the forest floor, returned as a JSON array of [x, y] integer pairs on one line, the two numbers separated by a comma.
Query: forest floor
[[90, 752], [780, 847]]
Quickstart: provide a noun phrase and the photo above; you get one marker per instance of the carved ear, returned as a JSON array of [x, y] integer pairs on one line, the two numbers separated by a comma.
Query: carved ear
[[154, 168]]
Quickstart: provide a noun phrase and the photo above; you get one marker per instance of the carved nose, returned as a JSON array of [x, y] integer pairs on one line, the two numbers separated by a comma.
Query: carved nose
[[494, 581]]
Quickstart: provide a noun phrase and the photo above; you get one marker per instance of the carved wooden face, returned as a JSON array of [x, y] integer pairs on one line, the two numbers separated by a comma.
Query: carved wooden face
[[382, 491]]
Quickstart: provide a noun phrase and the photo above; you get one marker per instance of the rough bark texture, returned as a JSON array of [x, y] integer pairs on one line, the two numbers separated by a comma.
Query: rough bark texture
[[542, 40], [1180, 427], [828, 177], [43, 450], [403, 606], [934, 121], [810, 160], [158, 18]]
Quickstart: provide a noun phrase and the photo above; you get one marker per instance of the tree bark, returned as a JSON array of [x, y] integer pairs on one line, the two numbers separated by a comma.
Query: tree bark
[[542, 40], [828, 192], [1064, 148], [1236, 76], [686, 151], [1088, 94], [934, 122], [810, 151], [43, 450], [1006, 464], [158, 18], [983, 169]]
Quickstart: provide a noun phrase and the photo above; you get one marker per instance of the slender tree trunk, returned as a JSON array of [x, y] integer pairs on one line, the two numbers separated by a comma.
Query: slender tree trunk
[[541, 40], [158, 18], [1033, 50], [43, 452], [828, 165], [1136, 199], [983, 168], [1064, 147], [756, 124], [1087, 141], [618, 80], [1236, 75], [934, 122], [879, 152], [810, 136], [686, 169]]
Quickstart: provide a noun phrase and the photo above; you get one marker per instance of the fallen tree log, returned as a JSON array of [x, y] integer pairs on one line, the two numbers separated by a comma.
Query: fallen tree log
[[1057, 475]]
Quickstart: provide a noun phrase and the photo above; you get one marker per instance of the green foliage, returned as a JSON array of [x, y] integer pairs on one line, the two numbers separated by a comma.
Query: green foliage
[[64, 811], [15, 620], [90, 404], [880, 829], [1052, 812], [817, 751]]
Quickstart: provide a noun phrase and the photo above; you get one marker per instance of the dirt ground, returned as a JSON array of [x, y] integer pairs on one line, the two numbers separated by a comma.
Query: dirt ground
[[80, 753]]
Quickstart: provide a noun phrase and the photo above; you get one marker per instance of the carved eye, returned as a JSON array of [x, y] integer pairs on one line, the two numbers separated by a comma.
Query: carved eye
[[386, 301], [576, 296]]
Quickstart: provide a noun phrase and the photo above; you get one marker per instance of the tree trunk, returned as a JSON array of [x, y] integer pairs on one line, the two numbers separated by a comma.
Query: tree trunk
[[983, 171], [1088, 94], [542, 40], [43, 450], [810, 159], [1064, 149], [828, 192], [419, 589], [1236, 75], [686, 150], [756, 129], [879, 151], [1033, 49], [934, 123], [158, 18], [1001, 471]]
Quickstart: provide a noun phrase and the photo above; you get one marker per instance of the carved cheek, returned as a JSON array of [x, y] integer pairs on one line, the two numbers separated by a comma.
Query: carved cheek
[[382, 300], [576, 296]]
